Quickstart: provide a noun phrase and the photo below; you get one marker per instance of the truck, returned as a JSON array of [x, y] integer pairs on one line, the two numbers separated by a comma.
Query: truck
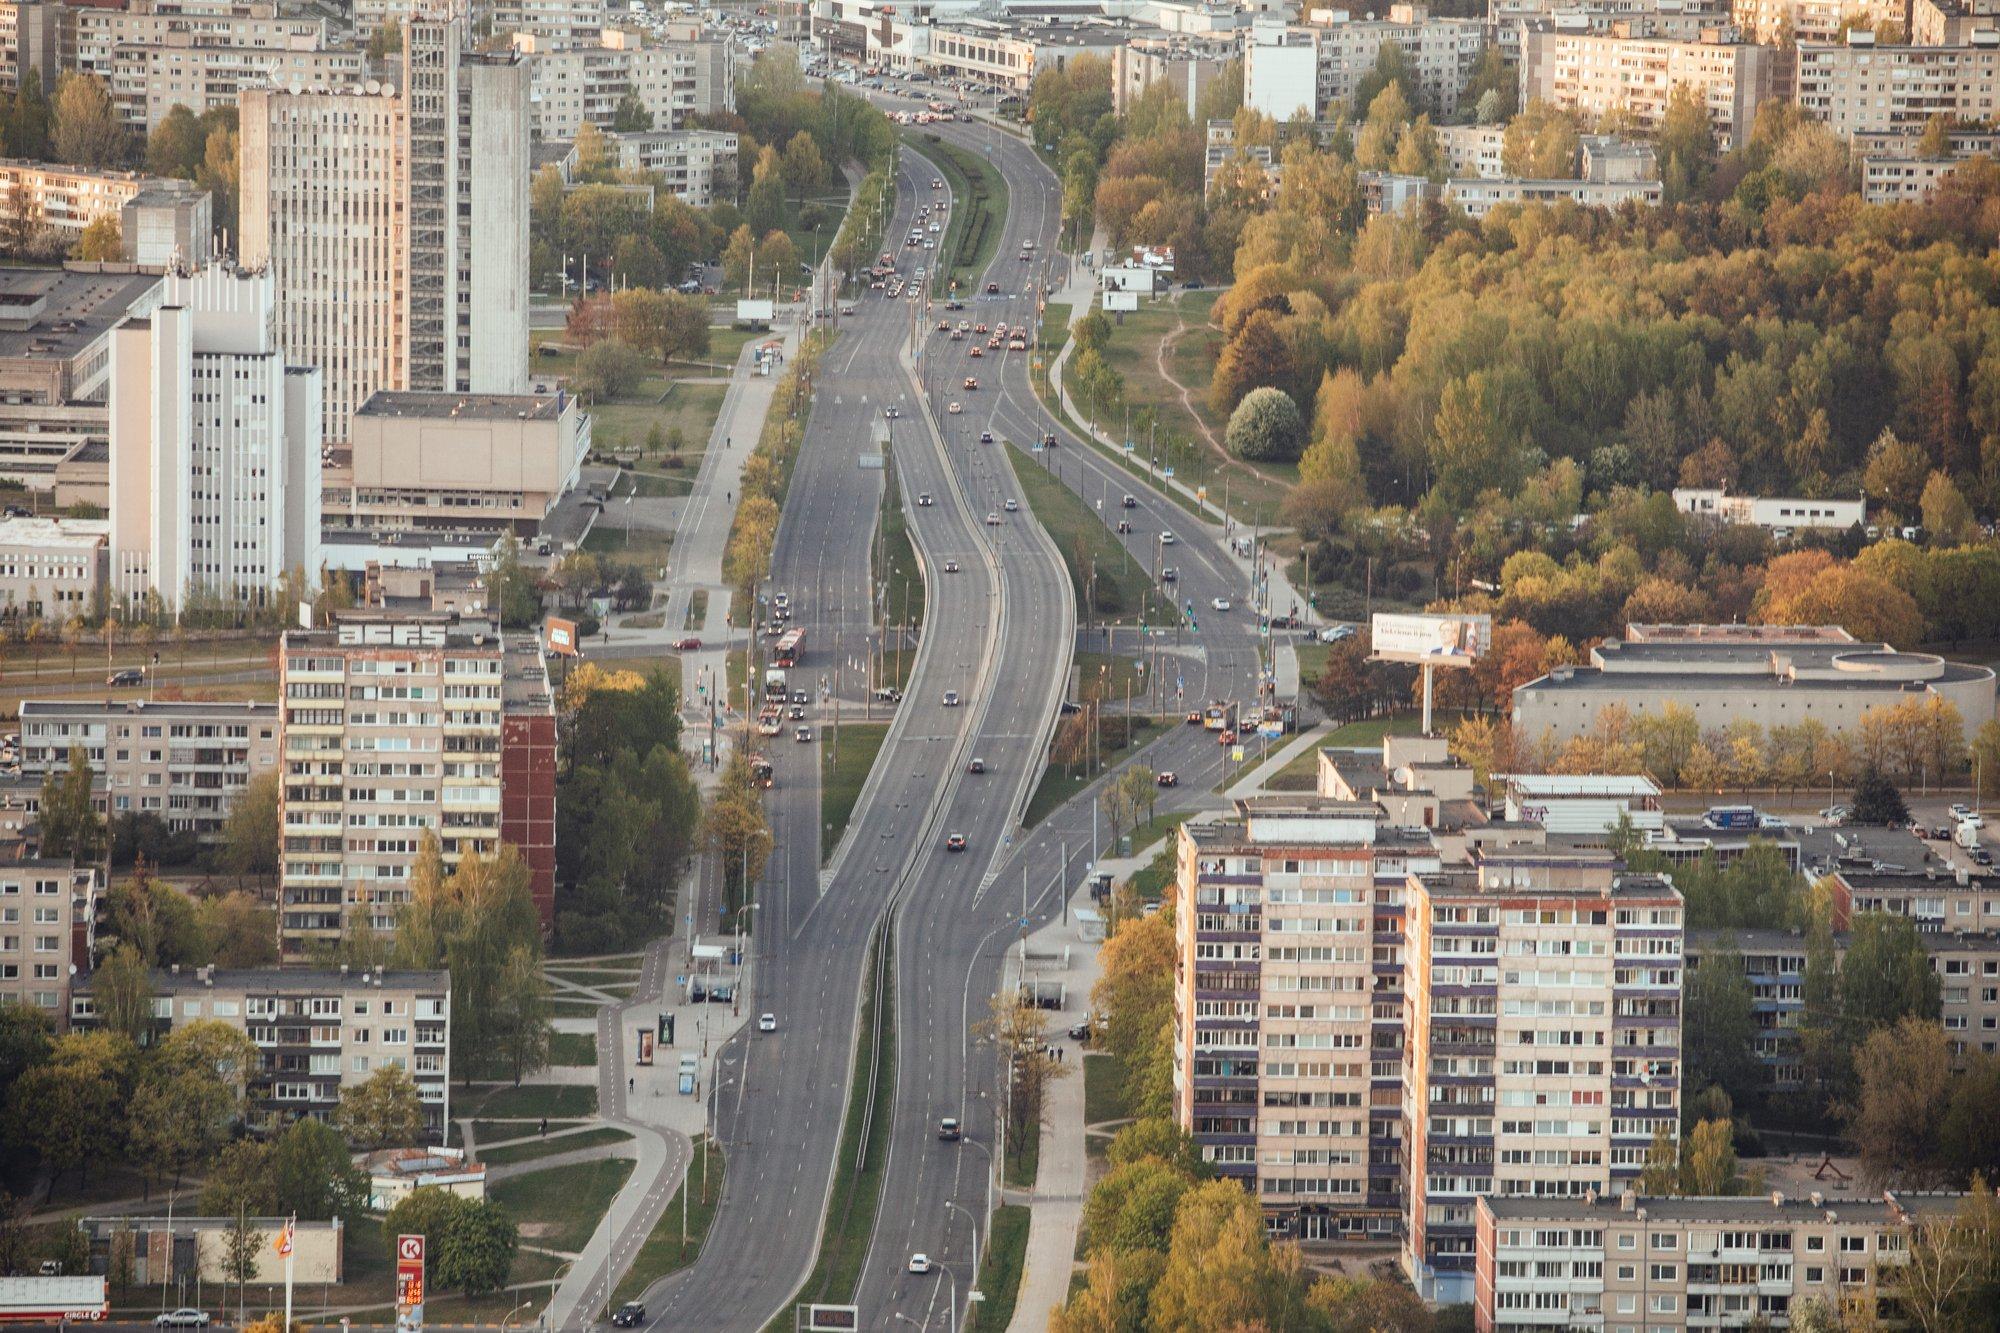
[[54, 1300], [1966, 832], [776, 684], [1730, 817]]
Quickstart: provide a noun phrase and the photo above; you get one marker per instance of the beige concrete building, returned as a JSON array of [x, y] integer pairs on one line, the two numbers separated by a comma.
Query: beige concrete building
[[1542, 1011], [360, 199], [457, 463], [31, 38], [48, 926], [1951, 22], [1189, 65], [55, 361], [183, 761], [1772, 22], [698, 166], [1317, 66], [1288, 1006], [1861, 87], [51, 568], [215, 447], [38, 196], [395, 724], [1620, 1263], [198, 1248], [558, 22], [316, 1031], [571, 85], [1598, 74], [1773, 675]]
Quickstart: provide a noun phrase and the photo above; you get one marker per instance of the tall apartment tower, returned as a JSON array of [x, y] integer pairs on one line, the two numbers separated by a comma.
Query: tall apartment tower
[[215, 446], [1288, 1041], [395, 724], [1543, 1013], [396, 220]]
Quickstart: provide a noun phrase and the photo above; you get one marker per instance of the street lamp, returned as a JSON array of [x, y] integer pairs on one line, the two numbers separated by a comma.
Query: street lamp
[[975, 1235]]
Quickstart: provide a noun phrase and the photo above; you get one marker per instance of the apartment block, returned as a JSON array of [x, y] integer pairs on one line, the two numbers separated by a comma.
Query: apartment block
[[1860, 87], [48, 926], [360, 199], [316, 1031], [1318, 66], [560, 22], [473, 463], [182, 760], [50, 568], [1630, 1264], [1773, 22], [1950, 22], [1288, 1006], [697, 166], [1188, 66], [1472, 152], [55, 361], [31, 39], [215, 446], [397, 724], [148, 81], [572, 85], [1480, 197], [1597, 74], [35, 196], [1543, 1017]]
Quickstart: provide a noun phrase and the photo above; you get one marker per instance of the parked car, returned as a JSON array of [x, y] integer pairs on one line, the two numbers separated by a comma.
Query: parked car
[[129, 676]]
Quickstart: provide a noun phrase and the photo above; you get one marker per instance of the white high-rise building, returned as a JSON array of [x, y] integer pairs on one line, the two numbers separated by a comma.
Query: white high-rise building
[[215, 446], [363, 199]]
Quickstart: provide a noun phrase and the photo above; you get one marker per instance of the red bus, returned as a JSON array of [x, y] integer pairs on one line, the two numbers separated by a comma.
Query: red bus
[[785, 652]]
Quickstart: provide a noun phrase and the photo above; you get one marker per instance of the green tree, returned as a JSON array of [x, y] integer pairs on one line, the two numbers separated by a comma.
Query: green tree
[[631, 115], [71, 1108], [805, 170], [1661, 1173], [522, 1028], [1541, 143], [1686, 143], [513, 588], [1887, 975], [220, 175], [1720, 1025], [124, 993], [100, 243], [189, 1094], [385, 41], [1947, 517], [1220, 1271], [175, 146], [1904, 1074], [312, 1175], [250, 834], [242, 1252], [1265, 427], [70, 824], [87, 131], [608, 369], [383, 1111], [1876, 801], [476, 1251], [26, 1036], [28, 119], [1708, 1159]]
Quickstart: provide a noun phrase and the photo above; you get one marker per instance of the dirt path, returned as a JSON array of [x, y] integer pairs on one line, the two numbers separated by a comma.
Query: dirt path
[[1225, 459]]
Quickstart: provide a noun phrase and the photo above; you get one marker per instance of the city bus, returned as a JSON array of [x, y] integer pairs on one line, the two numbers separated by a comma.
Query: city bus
[[760, 771], [785, 652]]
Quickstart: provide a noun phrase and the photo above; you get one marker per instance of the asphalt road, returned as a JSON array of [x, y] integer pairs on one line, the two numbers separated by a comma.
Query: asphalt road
[[953, 933]]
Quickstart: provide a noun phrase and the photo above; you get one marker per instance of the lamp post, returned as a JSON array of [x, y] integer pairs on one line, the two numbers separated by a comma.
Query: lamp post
[[975, 1236]]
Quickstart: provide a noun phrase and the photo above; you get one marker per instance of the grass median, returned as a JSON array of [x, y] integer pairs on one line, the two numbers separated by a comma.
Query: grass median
[[1000, 1268], [845, 758], [1061, 783], [678, 1236], [1121, 587]]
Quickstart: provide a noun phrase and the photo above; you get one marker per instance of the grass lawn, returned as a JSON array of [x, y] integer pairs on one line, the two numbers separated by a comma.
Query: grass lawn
[[573, 1048], [843, 770], [1312, 660], [1000, 1266], [657, 485], [725, 345], [1301, 774], [644, 546], [1114, 673], [1103, 1088], [495, 1131], [559, 1208], [1151, 880], [538, 1099], [1160, 826], [573, 1008], [1059, 785], [697, 615], [1122, 589], [592, 976], [528, 1152], [626, 423], [1024, 1158], [664, 1251]]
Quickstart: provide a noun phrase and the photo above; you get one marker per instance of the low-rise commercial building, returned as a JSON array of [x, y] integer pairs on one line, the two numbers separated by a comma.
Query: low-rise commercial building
[[315, 1031], [456, 463], [1543, 1018], [1628, 1264], [48, 927], [1862, 87], [395, 1173], [1772, 513], [51, 568], [1773, 675], [167, 1249], [181, 760], [1586, 803]]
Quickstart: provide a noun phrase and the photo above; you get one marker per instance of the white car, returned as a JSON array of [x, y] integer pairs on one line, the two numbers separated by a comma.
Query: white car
[[1168, 539], [1335, 633], [767, 1023], [1220, 604], [954, 409], [920, 1263], [992, 520], [1013, 506], [185, 1317]]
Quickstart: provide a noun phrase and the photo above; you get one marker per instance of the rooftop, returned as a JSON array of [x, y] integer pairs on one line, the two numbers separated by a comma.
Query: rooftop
[[91, 709], [463, 406], [57, 313], [55, 534], [286, 981], [1753, 1209], [1776, 941]]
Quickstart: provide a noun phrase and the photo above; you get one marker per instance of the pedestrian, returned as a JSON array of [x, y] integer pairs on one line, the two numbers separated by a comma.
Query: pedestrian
[[631, 1083], [545, 1126]]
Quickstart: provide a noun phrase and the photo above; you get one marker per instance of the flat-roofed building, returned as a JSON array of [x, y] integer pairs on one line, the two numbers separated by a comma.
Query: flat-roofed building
[[697, 166], [1288, 1006], [1772, 675], [1772, 513], [48, 927], [1776, 22], [155, 54], [51, 568], [1629, 1264], [315, 1030], [473, 463], [1543, 1028], [1599, 74], [571, 86], [1949, 22], [1860, 87], [36, 196], [184, 761], [1591, 803], [1186, 64], [178, 1246]]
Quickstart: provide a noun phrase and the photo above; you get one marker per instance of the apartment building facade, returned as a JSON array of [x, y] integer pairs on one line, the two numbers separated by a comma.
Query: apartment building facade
[[697, 166], [181, 760], [1859, 87], [1543, 1018], [48, 926], [1620, 1263], [1288, 1007], [1597, 74], [316, 1031], [215, 446], [156, 54], [569, 86], [50, 568], [361, 200], [37, 195], [1774, 22], [1318, 66], [560, 22], [395, 725]]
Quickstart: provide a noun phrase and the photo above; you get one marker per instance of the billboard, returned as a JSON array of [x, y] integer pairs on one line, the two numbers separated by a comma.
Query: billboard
[[560, 636], [1436, 640], [1120, 301], [409, 1282]]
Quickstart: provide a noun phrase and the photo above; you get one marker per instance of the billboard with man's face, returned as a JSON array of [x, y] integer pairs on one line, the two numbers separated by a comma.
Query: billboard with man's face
[[1441, 640]]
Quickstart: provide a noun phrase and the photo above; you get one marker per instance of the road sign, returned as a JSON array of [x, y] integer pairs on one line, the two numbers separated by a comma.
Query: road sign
[[832, 1318], [409, 1282]]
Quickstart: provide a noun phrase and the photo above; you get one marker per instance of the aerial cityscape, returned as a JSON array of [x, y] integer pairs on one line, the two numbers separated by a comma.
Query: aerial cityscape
[[1109, 666]]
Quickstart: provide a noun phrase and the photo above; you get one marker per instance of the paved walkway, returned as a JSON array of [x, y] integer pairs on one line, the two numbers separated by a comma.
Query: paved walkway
[[1252, 782]]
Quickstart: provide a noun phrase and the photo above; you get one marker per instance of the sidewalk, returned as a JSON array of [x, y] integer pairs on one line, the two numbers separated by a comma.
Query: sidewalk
[[1253, 781]]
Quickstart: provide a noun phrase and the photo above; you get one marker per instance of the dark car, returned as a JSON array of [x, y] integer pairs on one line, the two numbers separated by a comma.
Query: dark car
[[630, 1315], [1130, 502], [955, 843], [1079, 1032], [129, 676], [992, 289]]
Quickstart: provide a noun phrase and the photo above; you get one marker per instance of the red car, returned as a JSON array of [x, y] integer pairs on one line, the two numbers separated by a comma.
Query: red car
[[688, 644]]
